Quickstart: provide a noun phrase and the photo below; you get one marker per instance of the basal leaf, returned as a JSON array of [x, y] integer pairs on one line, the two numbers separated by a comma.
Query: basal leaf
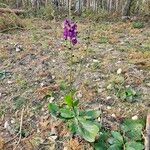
[[73, 127], [75, 103], [115, 147], [116, 142], [2, 75], [66, 113], [134, 146], [102, 143], [117, 137], [133, 129], [69, 100], [91, 114], [53, 108], [87, 129]]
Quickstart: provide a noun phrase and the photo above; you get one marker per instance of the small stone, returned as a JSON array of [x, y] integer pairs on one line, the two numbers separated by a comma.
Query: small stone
[[9, 82], [148, 84], [17, 49], [108, 98], [99, 119], [87, 65], [113, 115], [108, 107], [42, 84], [51, 99], [6, 124], [135, 117], [54, 137], [12, 121], [109, 87], [127, 86], [79, 95], [119, 71], [95, 60], [53, 77], [99, 90], [54, 60], [65, 148], [0, 95]]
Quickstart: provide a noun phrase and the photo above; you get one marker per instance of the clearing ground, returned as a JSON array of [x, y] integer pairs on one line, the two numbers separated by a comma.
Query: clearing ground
[[34, 71]]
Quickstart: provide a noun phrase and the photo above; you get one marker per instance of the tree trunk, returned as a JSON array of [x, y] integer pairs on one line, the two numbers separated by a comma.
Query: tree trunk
[[127, 7]]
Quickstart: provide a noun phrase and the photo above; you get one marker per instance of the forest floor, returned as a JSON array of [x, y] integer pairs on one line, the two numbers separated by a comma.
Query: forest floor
[[112, 73]]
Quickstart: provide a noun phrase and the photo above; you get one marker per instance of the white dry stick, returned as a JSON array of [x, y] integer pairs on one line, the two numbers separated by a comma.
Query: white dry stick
[[20, 130], [147, 138]]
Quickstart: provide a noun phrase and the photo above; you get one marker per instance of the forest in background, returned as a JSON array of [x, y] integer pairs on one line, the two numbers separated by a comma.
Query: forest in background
[[120, 7], [74, 74]]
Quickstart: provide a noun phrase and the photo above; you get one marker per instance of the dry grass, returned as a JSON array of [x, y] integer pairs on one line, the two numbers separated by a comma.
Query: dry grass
[[9, 21]]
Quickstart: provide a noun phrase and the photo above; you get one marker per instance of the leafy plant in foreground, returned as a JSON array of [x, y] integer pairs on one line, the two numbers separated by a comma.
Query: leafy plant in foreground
[[138, 25], [127, 94], [118, 86], [128, 138], [79, 122]]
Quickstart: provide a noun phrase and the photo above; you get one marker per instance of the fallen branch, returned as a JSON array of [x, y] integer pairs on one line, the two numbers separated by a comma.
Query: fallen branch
[[16, 11], [9, 29], [147, 138]]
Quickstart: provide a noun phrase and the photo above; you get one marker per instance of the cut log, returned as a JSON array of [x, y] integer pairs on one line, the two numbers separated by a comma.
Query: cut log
[[147, 138], [16, 11]]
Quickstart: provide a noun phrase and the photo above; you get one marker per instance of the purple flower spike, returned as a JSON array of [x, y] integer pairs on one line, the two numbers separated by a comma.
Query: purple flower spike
[[70, 31]]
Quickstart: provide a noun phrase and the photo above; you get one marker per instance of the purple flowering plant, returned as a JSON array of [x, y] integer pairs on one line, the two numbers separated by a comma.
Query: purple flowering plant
[[70, 31], [79, 122]]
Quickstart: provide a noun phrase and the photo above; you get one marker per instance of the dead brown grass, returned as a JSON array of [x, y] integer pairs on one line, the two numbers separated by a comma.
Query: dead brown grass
[[9, 21]]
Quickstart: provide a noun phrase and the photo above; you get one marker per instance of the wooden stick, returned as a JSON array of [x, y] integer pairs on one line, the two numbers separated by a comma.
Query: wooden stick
[[147, 138], [20, 131]]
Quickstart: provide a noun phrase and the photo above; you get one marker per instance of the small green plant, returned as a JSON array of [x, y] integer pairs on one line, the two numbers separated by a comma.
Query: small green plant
[[19, 102], [124, 93], [138, 25], [103, 40], [96, 65], [79, 122], [2, 75], [2, 110], [127, 94], [128, 138]]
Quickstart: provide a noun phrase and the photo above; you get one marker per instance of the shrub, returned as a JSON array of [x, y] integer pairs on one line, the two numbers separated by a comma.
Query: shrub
[[138, 25]]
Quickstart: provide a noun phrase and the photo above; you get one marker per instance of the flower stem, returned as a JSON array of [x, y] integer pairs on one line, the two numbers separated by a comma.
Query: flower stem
[[71, 67]]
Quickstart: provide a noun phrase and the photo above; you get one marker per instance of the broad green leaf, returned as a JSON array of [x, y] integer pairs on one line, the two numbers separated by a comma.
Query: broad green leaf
[[116, 142], [66, 113], [117, 137], [76, 111], [69, 100], [133, 129], [53, 108], [2, 75], [87, 129], [102, 143], [75, 103], [115, 147], [134, 146], [72, 127], [91, 114]]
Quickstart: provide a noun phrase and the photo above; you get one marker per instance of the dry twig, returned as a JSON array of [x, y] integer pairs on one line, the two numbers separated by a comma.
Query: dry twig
[[20, 131], [147, 138]]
